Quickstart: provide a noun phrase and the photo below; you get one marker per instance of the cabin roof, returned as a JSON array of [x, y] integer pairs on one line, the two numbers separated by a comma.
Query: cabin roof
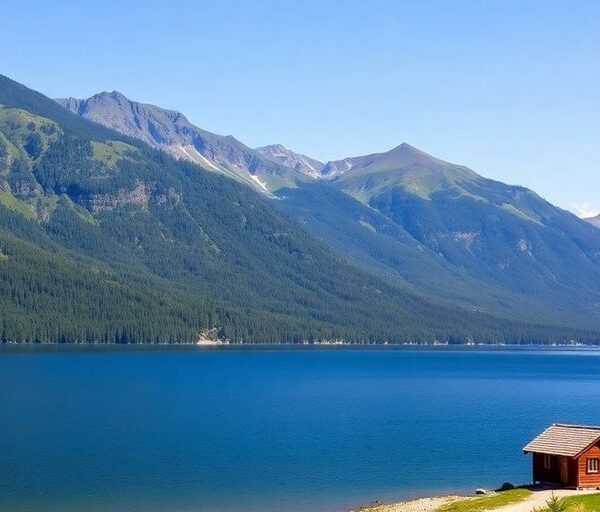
[[564, 439]]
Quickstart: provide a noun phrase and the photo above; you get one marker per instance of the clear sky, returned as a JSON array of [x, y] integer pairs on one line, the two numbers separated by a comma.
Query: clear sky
[[509, 88]]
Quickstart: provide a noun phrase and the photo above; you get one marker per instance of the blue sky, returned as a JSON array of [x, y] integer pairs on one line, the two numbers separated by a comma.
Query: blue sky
[[509, 88]]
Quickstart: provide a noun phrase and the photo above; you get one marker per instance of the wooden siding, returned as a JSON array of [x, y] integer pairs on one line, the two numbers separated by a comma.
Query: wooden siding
[[588, 479], [574, 469]]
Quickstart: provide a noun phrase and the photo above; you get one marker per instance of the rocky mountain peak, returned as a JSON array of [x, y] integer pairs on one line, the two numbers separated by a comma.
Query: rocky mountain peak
[[398, 157], [281, 155], [171, 131], [114, 95]]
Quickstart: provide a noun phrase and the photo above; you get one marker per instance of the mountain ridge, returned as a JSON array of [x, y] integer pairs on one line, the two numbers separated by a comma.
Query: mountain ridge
[[402, 155], [332, 169], [171, 131], [106, 239], [446, 232], [284, 156], [519, 248], [595, 221]]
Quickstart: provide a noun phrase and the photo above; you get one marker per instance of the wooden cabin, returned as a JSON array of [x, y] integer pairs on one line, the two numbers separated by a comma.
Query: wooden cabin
[[567, 455]]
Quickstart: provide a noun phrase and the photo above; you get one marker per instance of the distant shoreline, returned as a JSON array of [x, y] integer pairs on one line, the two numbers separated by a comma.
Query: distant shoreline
[[300, 347]]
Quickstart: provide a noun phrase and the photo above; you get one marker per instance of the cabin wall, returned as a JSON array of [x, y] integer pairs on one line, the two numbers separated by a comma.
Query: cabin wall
[[553, 475], [573, 473], [588, 479], [541, 474]]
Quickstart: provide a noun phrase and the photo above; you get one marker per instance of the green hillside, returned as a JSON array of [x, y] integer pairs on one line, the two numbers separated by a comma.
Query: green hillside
[[376, 243], [434, 228], [105, 239], [510, 247]]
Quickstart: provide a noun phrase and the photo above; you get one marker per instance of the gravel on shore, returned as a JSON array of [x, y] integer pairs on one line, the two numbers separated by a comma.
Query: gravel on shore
[[420, 505]]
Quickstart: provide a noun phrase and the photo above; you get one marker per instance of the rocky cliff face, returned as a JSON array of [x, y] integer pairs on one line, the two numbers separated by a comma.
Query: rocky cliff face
[[171, 131], [153, 125]]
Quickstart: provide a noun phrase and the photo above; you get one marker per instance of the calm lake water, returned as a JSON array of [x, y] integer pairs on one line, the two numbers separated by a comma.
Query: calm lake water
[[259, 430]]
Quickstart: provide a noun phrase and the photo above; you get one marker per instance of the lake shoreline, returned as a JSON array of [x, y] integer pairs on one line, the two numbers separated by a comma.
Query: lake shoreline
[[428, 504], [525, 498], [226, 345]]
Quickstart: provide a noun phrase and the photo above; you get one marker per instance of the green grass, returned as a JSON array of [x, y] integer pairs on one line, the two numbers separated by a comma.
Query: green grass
[[583, 503], [376, 179], [13, 151], [83, 214], [12, 203], [110, 152], [488, 502], [519, 213], [17, 125]]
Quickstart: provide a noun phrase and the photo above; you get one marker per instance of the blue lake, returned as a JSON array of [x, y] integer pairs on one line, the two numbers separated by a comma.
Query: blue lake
[[256, 430]]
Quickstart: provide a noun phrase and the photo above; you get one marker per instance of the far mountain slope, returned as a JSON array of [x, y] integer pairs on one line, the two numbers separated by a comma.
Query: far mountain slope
[[501, 234], [594, 220], [404, 166], [443, 231], [289, 158], [172, 132], [394, 159]]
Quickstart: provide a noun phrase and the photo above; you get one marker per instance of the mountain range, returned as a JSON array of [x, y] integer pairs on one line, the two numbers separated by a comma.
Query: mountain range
[[437, 228], [122, 221], [172, 132]]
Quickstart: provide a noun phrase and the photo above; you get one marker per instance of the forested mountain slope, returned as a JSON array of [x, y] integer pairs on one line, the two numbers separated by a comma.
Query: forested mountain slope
[[453, 235], [436, 228], [503, 235], [104, 239]]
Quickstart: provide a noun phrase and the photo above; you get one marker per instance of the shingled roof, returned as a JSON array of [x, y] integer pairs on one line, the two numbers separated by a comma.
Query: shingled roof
[[563, 439]]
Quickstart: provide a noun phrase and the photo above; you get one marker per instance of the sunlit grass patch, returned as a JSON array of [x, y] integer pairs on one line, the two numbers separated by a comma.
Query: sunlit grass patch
[[583, 503], [486, 502], [110, 152]]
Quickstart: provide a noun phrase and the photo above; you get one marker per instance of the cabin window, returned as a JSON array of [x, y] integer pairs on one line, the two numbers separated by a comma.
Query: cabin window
[[547, 461], [592, 465]]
